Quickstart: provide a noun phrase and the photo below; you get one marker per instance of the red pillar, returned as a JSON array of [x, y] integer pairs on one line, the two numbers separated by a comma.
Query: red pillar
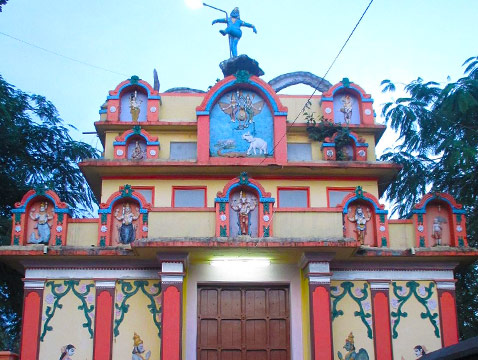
[[31, 320], [381, 320], [102, 343], [172, 275], [448, 317], [321, 322]]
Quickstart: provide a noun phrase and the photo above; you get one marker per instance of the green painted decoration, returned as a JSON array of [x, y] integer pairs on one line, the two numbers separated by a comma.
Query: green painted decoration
[[127, 191], [382, 218], [222, 231], [458, 219], [103, 241], [222, 207], [18, 218], [384, 241], [422, 241], [423, 298], [145, 218], [266, 231], [266, 209], [104, 219], [134, 79], [346, 82], [243, 178], [60, 218], [128, 290], [58, 240], [137, 129], [359, 192], [358, 298], [420, 218], [16, 240], [242, 76], [58, 290], [461, 242]]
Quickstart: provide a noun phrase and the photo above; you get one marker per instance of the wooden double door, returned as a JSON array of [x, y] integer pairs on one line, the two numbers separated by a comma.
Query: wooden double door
[[243, 323]]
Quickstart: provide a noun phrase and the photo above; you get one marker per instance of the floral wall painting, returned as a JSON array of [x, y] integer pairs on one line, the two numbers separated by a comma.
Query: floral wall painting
[[414, 305], [351, 305], [137, 317], [73, 300], [241, 125]]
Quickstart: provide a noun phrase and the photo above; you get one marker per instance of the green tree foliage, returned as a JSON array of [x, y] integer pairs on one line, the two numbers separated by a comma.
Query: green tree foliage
[[438, 149], [36, 150]]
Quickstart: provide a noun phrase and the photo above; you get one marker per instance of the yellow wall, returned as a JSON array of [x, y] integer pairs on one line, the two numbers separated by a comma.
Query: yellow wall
[[295, 105], [163, 188], [182, 224], [304, 287], [82, 234], [165, 139], [137, 319], [402, 236], [413, 324], [312, 224], [67, 322], [179, 108], [344, 324]]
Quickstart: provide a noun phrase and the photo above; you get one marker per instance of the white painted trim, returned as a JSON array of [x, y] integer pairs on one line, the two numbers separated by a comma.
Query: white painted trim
[[105, 284], [379, 285], [445, 285], [396, 275], [319, 267], [34, 284], [96, 273], [173, 279], [175, 267], [324, 279]]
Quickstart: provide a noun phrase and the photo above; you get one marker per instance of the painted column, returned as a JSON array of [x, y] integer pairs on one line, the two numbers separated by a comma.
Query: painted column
[[448, 316], [319, 275], [31, 319], [381, 319], [172, 276], [102, 343]]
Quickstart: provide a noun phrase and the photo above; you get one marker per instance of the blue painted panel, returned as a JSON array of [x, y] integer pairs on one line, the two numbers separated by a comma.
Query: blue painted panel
[[241, 125]]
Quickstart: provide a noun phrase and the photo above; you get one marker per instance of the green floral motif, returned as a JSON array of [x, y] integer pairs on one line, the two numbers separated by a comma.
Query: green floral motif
[[61, 288], [131, 288], [18, 218], [346, 82], [16, 240], [145, 218], [359, 297], [458, 219], [266, 209], [461, 243], [420, 218], [104, 218], [359, 192], [222, 207], [243, 178], [384, 241], [60, 218], [422, 294], [134, 79], [422, 241], [127, 191], [103, 241], [382, 218], [58, 240], [137, 129], [266, 231]]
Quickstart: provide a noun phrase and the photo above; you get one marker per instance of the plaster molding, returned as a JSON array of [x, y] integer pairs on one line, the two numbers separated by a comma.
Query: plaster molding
[[33, 284], [446, 285], [175, 267], [98, 273], [397, 275], [171, 279], [319, 279], [105, 284], [379, 285]]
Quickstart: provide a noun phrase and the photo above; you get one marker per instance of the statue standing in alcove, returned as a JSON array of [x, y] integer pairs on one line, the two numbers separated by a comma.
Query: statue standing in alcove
[[127, 230], [243, 207]]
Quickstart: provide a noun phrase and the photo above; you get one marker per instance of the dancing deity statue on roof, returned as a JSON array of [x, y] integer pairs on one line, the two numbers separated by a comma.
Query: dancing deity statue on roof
[[233, 29]]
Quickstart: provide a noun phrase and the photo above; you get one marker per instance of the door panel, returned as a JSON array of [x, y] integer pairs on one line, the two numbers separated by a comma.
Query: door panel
[[243, 323]]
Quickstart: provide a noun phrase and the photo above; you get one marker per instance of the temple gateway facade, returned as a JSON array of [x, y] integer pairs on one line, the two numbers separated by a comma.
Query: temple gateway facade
[[224, 233]]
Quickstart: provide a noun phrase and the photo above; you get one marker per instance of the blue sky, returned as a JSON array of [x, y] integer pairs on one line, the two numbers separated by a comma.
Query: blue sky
[[396, 40]]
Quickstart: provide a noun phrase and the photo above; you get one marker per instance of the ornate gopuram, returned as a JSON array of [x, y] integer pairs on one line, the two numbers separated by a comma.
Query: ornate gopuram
[[231, 226]]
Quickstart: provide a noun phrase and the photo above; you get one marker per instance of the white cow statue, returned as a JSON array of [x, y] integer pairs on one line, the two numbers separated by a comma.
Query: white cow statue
[[255, 144]]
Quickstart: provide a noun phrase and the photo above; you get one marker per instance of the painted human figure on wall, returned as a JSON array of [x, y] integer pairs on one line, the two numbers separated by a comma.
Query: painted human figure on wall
[[134, 106], [346, 109], [351, 354], [233, 29], [244, 207], [42, 226], [437, 231], [360, 221], [67, 351], [127, 230], [138, 349], [419, 351]]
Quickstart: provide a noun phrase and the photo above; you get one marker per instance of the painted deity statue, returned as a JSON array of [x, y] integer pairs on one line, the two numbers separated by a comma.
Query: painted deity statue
[[138, 349], [346, 108], [127, 229], [42, 226], [437, 231], [138, 153], [243, 207], [360, 221], [351, 354], [233, 29], [67, 351], [134, 104]]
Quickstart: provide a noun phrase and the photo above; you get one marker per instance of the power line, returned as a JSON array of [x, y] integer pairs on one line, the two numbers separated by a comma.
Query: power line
[[322, 79], [61, 55]]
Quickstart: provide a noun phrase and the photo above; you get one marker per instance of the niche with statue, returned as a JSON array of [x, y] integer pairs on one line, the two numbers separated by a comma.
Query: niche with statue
[[243, 213]]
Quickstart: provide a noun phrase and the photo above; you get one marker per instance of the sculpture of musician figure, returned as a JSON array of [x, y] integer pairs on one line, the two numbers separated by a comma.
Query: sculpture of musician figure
[[127, 230], [346, 108], [360, 221], [233, 29], [244, 208], [134, 106], [42, 226]]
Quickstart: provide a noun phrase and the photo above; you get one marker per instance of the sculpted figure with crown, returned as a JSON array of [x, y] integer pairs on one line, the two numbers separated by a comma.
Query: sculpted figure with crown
[[127, 230], [42, 226], [351, 354]]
